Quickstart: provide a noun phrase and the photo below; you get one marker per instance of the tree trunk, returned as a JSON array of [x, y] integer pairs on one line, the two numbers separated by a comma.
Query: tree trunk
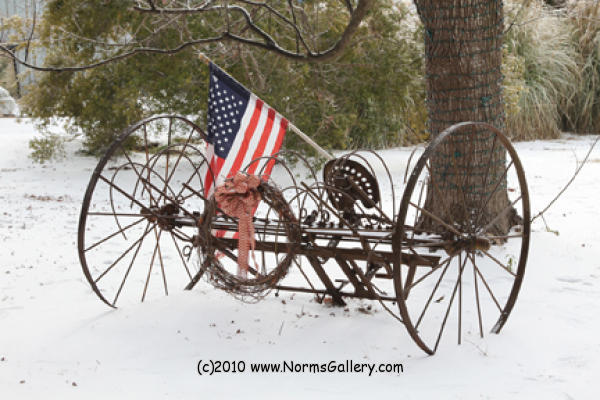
[[463, 47]]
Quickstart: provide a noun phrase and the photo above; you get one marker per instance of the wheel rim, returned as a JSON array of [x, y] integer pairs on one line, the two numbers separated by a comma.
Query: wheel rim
[[474, 286], [129, 239]]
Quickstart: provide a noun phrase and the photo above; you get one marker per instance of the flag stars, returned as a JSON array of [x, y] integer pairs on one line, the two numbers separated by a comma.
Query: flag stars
[[225, 109]]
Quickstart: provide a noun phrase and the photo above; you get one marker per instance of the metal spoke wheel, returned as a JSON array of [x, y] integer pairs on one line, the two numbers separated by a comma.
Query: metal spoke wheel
[[467, 201], [139, 213]]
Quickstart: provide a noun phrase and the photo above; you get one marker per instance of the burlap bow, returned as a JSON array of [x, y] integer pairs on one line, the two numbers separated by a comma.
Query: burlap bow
[[238, 197]]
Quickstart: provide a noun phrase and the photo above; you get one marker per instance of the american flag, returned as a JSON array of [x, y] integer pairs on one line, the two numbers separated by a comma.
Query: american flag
[[241, 128]]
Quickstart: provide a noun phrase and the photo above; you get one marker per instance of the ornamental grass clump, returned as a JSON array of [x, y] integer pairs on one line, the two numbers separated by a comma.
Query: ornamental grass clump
[[541, 71], [583, 113]]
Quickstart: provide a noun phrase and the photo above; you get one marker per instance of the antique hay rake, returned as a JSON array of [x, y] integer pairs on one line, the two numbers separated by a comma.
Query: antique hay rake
[[147, 226]]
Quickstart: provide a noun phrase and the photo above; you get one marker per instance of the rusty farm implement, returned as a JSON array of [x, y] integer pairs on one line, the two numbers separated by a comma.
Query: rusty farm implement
[[434, 262]]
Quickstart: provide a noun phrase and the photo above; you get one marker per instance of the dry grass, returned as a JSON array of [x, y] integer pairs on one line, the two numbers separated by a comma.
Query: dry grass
[[541, 72], [584, 112]]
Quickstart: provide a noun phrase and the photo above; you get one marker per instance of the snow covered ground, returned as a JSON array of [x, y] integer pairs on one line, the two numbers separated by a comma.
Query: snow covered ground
[[57, 340]]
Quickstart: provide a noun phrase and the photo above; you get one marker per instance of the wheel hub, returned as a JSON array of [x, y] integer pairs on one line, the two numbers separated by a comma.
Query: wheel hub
[[163, 216], [470, 244]]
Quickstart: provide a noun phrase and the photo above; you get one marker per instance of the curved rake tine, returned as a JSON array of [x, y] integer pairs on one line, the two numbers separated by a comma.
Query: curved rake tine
[[187, 141], [181, 256]]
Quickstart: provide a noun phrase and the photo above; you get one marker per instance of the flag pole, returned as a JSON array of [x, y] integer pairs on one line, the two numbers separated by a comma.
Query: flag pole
[[292, 127]]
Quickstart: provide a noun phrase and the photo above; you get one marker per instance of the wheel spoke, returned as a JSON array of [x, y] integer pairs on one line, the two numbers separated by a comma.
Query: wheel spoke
[[431, 244], [505, 237], [487, 287], [485, 178], [106, 214], [438, 219], [438, 192], [504, 267], [120, 257], [150, 268], [130, 265], [430, 272], [114, 234], [134, 215], [127, 195], [179, 206], [461, 187], [500, 214], [472, 257], [182, 235], [162, 266], [437, 342], [489, 197], [460, 298], [435, 288]]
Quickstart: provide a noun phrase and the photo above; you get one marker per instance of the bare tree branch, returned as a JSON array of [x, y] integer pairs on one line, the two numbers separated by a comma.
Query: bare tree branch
[[585, 159], [141, 50], [181, 11], [28, 46], [243, 28]]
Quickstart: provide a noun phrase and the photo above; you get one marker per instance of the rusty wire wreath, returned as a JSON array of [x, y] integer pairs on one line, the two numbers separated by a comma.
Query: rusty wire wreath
[[256, 286]]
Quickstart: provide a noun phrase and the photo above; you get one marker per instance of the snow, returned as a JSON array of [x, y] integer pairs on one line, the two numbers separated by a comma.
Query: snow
[[58, 340], [8, 106]]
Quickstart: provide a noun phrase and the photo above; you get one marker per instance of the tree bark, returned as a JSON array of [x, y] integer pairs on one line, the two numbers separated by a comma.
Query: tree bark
[[463, 44]]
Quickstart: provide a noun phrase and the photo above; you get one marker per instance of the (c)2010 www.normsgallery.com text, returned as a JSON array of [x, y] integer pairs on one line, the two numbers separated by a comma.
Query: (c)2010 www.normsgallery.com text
[[212, 367]]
